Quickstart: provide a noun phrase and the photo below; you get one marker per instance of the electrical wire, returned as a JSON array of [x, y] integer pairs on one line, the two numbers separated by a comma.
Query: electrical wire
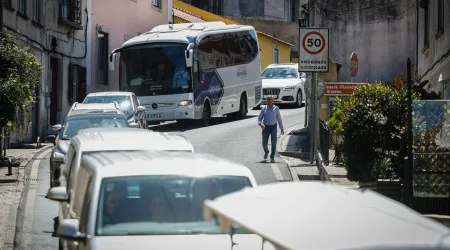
[[53, 51]]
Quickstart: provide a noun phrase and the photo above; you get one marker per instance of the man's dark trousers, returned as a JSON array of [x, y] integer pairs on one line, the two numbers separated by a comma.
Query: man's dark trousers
[[269, 130]]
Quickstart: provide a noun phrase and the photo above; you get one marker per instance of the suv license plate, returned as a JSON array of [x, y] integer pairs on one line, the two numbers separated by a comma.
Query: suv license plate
[[156, 115]]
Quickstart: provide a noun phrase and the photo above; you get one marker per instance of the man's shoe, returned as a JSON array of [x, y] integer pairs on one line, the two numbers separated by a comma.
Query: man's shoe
[[266, 155], [272, 159]]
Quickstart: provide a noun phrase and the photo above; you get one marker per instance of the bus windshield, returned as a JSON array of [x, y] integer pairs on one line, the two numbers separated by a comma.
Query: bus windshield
[[155, 69]]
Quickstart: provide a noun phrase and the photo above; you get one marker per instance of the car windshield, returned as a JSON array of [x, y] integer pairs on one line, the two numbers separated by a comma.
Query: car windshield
[[279, 73], [72, 126], [124, 102], [154, 69], [161, 205]]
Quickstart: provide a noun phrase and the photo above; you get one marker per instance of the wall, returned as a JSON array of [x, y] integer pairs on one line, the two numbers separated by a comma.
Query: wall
[[266, 50], [288, 32], [122, 20], [382, 34], [434, 62], [37, 35], [267, 9]]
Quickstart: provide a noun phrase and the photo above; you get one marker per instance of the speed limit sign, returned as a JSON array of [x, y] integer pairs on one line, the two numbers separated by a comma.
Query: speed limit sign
[[313, 50]]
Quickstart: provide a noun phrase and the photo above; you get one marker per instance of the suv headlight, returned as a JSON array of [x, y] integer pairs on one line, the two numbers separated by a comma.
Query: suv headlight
[[58, 157], [289, 88], [185, 103]]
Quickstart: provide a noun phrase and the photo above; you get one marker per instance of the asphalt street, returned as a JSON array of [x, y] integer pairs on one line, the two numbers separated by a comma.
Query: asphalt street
[[239, 141]]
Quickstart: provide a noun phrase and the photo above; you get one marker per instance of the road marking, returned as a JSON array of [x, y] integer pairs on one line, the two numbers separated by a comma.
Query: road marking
[[277, 172], [31, 197]]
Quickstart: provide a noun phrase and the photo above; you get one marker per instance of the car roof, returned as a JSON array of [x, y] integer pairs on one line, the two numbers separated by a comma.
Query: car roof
[[91, 106], [93, 114], [115, 139], [111, 93], [133, 163], [283, 65]]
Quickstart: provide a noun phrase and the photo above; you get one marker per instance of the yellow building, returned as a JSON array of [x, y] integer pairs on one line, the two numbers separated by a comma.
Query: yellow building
[[273, 50]]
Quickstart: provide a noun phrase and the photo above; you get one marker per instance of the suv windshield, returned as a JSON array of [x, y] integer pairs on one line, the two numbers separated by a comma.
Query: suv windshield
[[279, 73], [123, 101], [154, 69], [161, 205], [72, 126]]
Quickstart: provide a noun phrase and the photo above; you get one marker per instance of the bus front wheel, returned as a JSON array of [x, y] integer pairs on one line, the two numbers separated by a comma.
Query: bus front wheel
[[206, 119]]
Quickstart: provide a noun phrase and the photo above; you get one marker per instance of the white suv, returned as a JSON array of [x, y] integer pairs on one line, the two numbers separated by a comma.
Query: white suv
[[284, 83]]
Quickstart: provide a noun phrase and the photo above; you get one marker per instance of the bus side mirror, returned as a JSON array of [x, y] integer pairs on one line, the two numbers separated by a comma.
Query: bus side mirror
[[189, 55], [112, 62]]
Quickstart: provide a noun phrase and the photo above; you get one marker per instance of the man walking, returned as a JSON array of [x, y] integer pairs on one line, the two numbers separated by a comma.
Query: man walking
[[267, 120]]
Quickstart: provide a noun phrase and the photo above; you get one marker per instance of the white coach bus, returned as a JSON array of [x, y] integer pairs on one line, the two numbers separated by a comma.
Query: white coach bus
[[192, 71]]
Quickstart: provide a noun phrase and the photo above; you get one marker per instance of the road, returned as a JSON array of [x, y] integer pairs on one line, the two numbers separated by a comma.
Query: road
[[239, 141]]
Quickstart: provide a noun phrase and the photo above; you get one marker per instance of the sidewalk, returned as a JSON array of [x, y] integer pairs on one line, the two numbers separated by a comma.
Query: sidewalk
[[11, 187], [293, 148]]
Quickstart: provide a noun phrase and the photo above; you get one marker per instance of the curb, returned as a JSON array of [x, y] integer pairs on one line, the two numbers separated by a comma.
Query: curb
[[279, 152], [9, 239]]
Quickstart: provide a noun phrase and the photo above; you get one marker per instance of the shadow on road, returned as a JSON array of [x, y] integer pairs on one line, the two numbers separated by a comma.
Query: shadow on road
[[175, 126]]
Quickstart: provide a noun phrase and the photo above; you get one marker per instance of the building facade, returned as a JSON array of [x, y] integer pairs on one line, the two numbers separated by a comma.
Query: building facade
[[381, 33], [56, 33], [110, 27], [267, 9], [433, 46]]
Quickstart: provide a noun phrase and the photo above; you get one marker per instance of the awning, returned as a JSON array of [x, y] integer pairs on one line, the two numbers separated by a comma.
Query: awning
[[314, 215]]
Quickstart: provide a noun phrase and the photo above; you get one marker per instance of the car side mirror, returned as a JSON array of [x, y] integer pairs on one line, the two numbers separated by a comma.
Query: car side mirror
[[57, 128], [57, 194], [140, 109], [134, 124], [303, 75], [68, 229], [51, 138], [112, 61]]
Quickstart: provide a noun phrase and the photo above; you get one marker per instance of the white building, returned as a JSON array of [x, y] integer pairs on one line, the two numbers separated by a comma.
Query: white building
[[56, 33], [433, 46]]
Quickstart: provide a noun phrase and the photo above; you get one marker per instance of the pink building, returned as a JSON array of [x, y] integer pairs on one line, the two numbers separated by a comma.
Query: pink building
[[111, 23]]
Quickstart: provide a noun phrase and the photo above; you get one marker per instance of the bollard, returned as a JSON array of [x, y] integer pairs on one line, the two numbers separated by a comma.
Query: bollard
[[7, 161], [38, 142]]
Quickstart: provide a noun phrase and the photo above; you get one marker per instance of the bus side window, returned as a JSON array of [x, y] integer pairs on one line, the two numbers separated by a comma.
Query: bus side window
[[195, 74]]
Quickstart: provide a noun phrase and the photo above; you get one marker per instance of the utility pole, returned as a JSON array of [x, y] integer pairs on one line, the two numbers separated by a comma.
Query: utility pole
[[312, 103]]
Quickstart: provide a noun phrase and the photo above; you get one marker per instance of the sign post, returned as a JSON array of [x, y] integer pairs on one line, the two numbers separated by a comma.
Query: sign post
[[313, 58]]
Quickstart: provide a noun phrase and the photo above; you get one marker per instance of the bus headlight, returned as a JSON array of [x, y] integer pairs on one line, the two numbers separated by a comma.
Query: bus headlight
[[185, 103]]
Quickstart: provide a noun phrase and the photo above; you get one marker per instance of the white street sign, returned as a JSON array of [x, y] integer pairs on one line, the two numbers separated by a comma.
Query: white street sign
[[313, 50]]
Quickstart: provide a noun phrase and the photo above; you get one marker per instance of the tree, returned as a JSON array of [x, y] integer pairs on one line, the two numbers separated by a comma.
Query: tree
[[19, 74]]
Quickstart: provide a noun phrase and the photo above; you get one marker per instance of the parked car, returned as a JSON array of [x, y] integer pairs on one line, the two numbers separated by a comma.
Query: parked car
[[284, 83], [128, 102], [150, 200], [80, 117], [92, 140]]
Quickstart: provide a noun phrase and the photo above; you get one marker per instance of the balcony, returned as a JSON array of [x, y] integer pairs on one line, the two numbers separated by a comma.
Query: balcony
[[70, 13]]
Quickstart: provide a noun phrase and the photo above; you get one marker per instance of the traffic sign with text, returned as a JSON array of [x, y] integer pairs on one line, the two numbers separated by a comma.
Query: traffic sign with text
[[313, 50]]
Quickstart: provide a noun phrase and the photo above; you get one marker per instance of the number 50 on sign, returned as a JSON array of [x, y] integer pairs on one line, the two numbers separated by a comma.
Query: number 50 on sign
[[313, 50]]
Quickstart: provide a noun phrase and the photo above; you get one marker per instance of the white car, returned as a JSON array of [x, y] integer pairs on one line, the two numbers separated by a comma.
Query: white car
[[152, 200], [92, 140], [127, 101], [284, 83]]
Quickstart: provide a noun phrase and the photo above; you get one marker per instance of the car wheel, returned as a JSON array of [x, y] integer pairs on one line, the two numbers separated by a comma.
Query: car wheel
[[298, 104]]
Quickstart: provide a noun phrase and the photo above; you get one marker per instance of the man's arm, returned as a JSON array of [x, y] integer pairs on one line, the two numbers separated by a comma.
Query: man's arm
[[280, 122], [260, 117]]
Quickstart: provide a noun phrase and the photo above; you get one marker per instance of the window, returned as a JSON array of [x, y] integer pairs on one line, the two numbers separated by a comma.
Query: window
[[426, 28], [7, 4], [157, 3], [36, 10], [77, 83], [227, 49], [276, 54], [22, 6], [70, 10], [440, 18], [84, 217], [102, 58]]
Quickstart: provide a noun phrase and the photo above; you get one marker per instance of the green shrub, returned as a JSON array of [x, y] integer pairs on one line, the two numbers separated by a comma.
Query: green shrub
[[19, 74], [373, 125]]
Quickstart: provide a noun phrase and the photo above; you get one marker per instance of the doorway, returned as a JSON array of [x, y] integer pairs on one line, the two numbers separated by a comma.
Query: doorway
[[54, 91]]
